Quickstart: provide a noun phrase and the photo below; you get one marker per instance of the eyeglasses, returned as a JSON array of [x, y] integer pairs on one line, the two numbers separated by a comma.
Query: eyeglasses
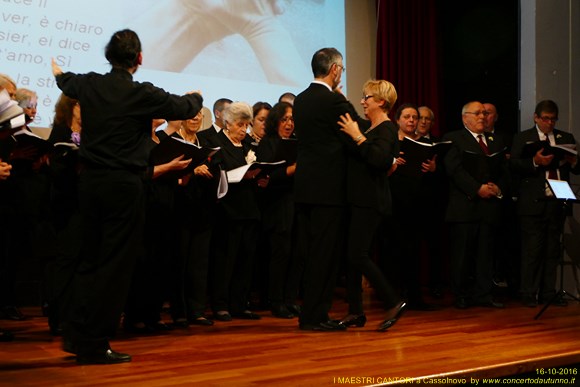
[[365, 97], [480, 113], [341, 66], [286, 119], [549, 119]]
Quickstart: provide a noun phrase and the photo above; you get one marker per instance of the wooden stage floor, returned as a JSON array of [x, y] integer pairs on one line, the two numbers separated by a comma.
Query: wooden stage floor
[[443, 347]]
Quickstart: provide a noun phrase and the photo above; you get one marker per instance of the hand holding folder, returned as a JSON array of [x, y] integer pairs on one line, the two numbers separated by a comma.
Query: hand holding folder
[[415, 153], [172, 147], [251, 171]]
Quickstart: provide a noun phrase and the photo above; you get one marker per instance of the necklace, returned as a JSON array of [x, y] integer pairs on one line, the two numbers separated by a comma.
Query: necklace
[[193, 138], [236, 143]]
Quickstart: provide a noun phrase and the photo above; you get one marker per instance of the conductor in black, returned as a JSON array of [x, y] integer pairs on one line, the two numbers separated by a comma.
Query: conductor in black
[[116, 115]]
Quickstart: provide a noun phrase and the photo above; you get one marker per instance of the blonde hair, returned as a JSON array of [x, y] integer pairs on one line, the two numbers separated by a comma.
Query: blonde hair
[[382, 90]]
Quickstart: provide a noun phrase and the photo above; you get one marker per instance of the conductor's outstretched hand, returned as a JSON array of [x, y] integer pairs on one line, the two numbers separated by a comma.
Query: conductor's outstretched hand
[[56, 70]]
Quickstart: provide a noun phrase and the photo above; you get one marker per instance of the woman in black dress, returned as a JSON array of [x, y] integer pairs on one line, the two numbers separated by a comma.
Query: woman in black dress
[[371, 158]]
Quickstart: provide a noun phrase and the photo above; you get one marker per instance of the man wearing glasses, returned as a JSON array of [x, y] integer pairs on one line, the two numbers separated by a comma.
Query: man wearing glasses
[[320, 185], [476, 168], [541, 219]]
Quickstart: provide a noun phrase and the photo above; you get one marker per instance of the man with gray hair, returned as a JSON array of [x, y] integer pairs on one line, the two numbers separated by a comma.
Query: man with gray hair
[[320, 185], [474, 208]]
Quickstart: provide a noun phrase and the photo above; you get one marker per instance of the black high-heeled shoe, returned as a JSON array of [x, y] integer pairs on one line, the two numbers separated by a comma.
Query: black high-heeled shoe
[[354, 320], [393, 315]]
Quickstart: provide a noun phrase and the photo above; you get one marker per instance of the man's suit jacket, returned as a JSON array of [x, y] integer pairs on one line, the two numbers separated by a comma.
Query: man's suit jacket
[[506, 137], [531, 180], [209, 136], [465, 205], [321, 162]]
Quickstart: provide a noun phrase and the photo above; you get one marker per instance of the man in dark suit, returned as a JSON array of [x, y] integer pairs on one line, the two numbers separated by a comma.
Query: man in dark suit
[[320, 185], [541, 217], [506, 255], [209, 135], [490, 126], [474, 207], [434, 231]]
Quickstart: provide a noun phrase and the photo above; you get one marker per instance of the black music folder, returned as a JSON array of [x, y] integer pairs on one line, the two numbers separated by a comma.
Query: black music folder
[[173, 147], [416, 153], [484, 168]]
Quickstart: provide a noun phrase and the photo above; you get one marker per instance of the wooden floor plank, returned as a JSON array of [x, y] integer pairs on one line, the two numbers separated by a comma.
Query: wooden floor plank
[[477, 342]]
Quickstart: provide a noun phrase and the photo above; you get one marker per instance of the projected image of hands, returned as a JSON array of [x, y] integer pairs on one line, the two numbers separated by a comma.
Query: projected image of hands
[[246, 50], [237, 39]]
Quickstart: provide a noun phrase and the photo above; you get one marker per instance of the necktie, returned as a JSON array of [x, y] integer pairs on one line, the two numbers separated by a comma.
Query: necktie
[[552, 172], [484, 147]]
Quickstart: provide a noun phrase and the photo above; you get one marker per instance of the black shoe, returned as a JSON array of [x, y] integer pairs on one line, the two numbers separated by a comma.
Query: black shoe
[[222, 316], [68, 346], [12, 313], [491, 304], [421, 306], [55, 331], [201, 320], [107, 357], [138, 328], [328, 326], [294, 309], [354, 320], [436, 293], [393, 315], [247, 315], [461, 303], [529, 301], [6, 336], [281, 311], [160, 326], [181, 323]]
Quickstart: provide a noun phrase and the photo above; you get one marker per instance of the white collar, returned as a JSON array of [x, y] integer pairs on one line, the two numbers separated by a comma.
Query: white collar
[[322, 83]]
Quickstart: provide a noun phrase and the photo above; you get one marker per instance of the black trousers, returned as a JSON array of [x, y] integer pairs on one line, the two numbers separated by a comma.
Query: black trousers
[[541, 250], [232, 267], [59, 273], [362, 228], [191, 274], [471, 250], [112, 210], [323, 228]]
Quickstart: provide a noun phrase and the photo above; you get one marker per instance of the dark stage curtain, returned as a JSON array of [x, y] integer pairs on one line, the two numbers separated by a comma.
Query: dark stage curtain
[[408, 47]]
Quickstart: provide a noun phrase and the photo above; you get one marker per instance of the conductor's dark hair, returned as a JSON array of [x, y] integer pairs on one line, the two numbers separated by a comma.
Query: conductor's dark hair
[[546, 106], [274, 117], [123, 49], [323, 59]]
